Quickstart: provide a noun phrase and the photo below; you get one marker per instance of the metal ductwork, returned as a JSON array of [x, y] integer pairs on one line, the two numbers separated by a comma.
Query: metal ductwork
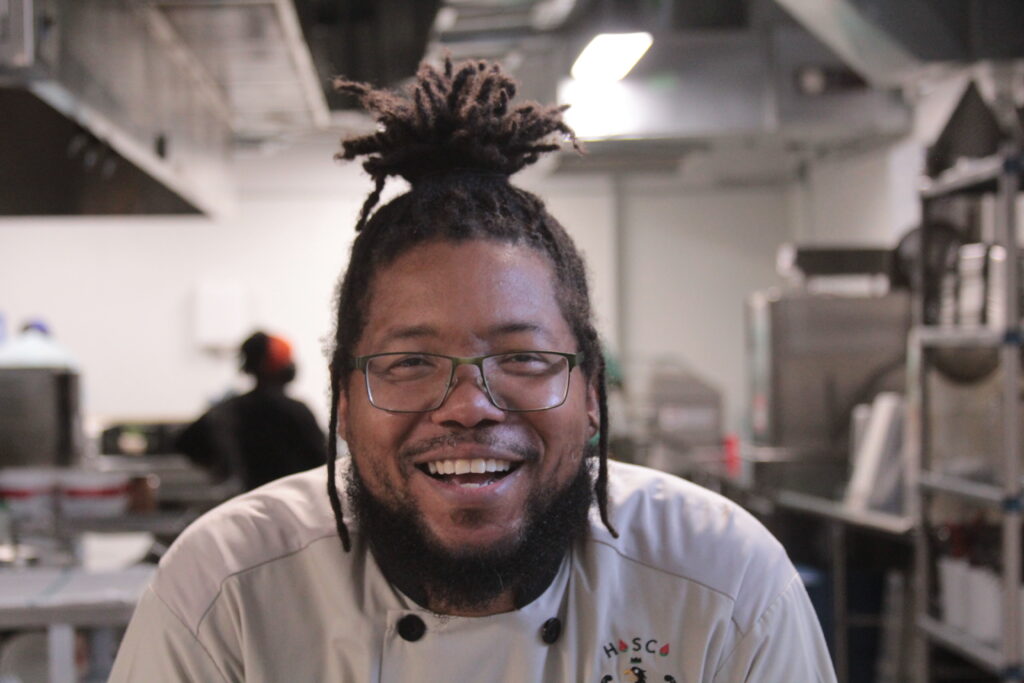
[[730, 71], [375, 41], [889, 42], [132, 106], [736, 85]]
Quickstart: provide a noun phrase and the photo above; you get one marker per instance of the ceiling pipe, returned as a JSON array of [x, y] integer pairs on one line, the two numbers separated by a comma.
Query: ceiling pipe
[[881, 59]]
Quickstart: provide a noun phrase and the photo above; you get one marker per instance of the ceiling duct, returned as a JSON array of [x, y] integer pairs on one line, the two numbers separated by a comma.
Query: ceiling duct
[[255, 54], [375, 41], [889, 43]]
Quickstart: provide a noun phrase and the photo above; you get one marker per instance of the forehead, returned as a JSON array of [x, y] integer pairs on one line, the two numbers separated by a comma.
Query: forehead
[[471, 291]]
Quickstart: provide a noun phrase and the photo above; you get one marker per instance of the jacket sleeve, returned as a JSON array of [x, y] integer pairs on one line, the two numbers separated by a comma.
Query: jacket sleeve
[[205, 443], [312, 449], [159, 648], [785, 645]]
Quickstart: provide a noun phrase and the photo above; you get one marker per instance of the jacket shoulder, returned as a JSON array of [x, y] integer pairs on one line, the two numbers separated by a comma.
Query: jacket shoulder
[[678, 528], [268, 523]]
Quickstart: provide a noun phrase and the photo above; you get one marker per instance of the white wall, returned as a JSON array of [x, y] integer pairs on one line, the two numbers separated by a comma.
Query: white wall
[[120, 294], [694, 255], [585, 206], [865, 198]]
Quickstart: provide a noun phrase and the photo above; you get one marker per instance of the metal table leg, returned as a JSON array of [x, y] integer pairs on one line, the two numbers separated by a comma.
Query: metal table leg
[[61, 646], [837, 539]]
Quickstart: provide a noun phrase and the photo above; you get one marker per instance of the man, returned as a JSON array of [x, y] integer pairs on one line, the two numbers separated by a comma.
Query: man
[[263, 434], [491, 542]]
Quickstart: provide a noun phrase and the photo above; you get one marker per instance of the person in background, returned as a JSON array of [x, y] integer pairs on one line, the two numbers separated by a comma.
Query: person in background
[[474, 532], [262, 435]]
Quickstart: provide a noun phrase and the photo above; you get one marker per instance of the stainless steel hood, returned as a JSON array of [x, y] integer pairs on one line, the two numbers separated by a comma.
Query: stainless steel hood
[[723, 78], [255, 53], [132, 106]]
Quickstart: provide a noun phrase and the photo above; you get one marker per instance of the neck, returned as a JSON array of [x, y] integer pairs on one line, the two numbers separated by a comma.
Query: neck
[[525, 584], [500, 604]]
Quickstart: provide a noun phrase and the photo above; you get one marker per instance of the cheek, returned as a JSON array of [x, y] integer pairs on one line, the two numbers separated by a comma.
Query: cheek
[[374, 469], [566, 436], [374, 439]]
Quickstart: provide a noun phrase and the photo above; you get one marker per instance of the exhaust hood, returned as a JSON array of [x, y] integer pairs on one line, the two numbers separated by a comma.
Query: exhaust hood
[[132, 106]]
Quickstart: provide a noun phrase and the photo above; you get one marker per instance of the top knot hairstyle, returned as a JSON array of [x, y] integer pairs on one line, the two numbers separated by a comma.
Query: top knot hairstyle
[[454, 121], [454, 137]]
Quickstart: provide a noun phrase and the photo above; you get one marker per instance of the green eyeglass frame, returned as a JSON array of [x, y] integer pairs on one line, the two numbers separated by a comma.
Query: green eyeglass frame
[[574, 360]]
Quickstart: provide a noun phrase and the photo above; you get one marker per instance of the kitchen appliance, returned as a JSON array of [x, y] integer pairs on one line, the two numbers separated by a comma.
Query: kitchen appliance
[[686, 419], [40, 421], [973, 295], [812, 358]]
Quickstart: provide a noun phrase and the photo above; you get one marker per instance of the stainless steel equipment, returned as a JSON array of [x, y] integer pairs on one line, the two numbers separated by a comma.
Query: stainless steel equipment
[[812, 358], [39, 416], [119, 118], [132, 107], [686, 420]]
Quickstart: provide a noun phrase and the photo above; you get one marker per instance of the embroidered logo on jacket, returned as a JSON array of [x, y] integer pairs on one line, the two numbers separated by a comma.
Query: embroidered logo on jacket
[[637, 670]]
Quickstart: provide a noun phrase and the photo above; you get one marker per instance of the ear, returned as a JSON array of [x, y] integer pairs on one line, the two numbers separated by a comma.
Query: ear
[[593, 409], [342, 430]]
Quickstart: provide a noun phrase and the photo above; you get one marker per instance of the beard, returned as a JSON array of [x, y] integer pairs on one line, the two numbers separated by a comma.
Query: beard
[[415, 561]]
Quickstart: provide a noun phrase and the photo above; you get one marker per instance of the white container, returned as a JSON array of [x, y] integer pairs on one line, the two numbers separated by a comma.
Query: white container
[[984, 605], [28, 492], [89, 493], [953, 591]]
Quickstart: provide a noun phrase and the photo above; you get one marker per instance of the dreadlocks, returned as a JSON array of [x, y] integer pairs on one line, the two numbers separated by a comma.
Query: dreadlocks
[[453, 136]]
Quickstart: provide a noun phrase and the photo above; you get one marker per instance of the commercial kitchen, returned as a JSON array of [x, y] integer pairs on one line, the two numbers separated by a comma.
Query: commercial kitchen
[[800, 220]]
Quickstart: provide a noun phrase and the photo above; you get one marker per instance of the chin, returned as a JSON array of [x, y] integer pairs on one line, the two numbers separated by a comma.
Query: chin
[[475, 543]]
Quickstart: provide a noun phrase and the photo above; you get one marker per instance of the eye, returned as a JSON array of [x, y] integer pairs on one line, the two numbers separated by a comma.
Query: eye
[[522, 357], [528, 363], [409, 361], [404, 366]]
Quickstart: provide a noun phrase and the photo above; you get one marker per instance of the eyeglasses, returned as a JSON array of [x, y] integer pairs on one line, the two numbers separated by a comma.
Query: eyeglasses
[[515, 381]]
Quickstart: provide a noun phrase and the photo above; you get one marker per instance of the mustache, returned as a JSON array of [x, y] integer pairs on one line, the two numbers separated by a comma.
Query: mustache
[[475, 437]]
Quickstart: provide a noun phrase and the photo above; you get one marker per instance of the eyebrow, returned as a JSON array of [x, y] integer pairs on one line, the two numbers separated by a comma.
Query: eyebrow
[[516, 327], [411, 332], [415, 332]]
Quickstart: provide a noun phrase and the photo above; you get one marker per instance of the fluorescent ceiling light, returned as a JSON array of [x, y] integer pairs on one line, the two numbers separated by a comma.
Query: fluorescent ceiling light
[[610, 56], [599, 110]]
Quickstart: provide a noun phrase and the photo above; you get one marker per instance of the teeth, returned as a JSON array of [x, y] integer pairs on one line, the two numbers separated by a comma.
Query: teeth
[[476, 466]]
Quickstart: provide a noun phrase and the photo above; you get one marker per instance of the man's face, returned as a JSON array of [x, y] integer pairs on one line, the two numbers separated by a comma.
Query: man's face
[[467, 299]]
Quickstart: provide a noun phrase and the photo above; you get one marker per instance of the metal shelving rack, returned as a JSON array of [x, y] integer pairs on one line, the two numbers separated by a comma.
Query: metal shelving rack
[[1001, 175]]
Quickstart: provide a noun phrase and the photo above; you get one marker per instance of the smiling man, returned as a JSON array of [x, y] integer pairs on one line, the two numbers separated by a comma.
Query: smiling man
[[477, 530], [462, 463]]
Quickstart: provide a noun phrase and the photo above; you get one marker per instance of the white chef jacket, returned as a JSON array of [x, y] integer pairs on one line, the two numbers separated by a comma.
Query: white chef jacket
[[693, 590]]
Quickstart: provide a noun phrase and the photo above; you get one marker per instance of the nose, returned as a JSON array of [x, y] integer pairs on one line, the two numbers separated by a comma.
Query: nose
[[467, 404]]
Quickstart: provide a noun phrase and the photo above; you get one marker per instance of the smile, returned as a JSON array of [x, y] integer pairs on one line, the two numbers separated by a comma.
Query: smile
[[468, 473]]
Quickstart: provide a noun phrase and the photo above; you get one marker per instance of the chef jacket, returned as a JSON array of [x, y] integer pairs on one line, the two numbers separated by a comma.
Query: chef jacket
[[693, 590]]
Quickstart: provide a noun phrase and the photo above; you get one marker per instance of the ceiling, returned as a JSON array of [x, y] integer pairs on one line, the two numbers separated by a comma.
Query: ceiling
[[188, 82]]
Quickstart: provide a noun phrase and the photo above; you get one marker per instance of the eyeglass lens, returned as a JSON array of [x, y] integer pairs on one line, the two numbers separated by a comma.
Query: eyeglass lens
[[515, 381]]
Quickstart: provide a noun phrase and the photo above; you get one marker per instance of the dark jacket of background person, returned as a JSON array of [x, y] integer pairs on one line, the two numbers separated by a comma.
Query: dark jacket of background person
[[261, 435]]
